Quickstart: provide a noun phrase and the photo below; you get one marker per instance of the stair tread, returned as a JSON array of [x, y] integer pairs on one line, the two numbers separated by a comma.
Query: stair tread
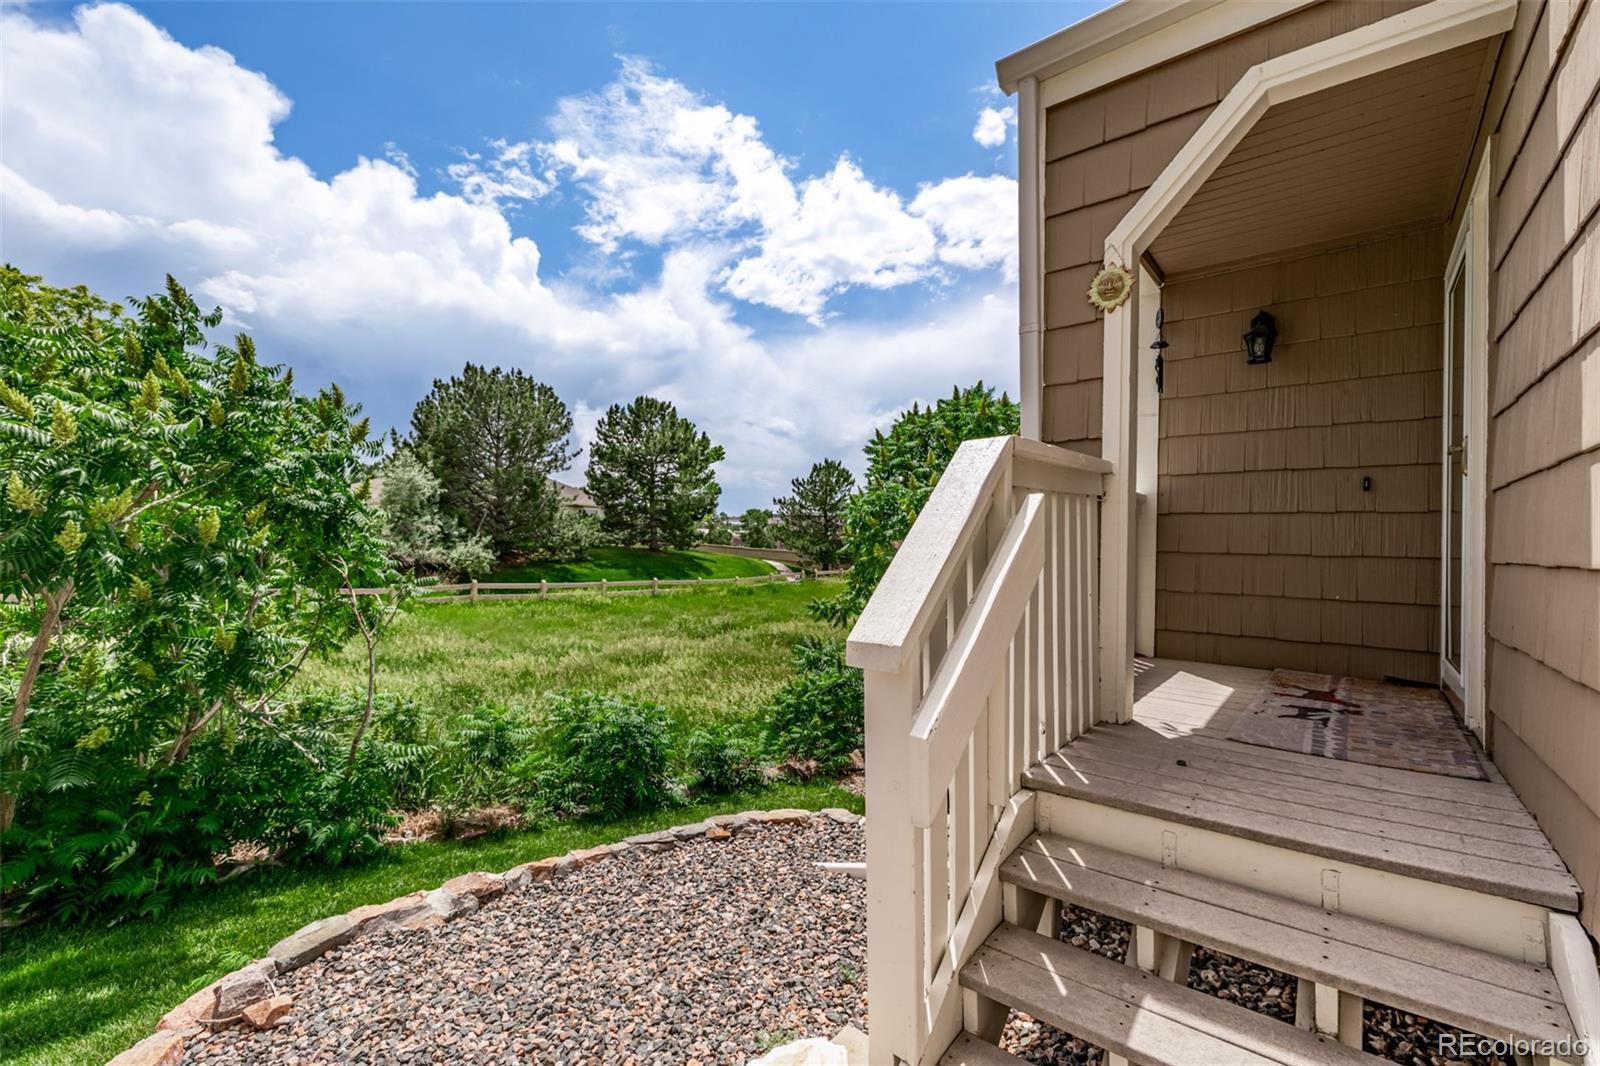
[[1137, 1014], [1347, 839], [1449, 983], [968, 1050]]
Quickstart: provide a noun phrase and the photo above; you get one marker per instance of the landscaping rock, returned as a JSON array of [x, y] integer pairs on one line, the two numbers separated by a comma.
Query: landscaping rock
[[688, 832], [312, 941], [784, 816], [589, 856], [517, 878], [705, 951], [243, 987], [480, 886], [716, 832], [542, 870], [840, 815], [731, 822], [265, 1013], [398, 911], [449, 906], [858, 761], [653, 841], [163, 1048], [197, 1010]]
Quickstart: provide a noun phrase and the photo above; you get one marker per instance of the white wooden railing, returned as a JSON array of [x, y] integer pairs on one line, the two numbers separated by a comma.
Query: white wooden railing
[[979, 648]]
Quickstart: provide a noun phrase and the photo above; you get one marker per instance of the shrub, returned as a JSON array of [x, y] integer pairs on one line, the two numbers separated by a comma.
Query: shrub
[[573, 537], [819, 713], [720, 760], [602, 755], [180, 528], [483, 747], [296, 794], [471, 557]]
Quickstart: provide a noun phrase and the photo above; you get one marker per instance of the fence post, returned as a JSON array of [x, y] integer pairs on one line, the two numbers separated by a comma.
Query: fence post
[[544, 587], [474, 590], [655, 586], [604, 586]]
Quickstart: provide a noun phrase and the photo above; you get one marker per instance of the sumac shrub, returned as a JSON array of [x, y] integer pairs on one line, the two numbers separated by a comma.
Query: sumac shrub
[[818, 714], [602, 755], [179, 528], [720, 760]]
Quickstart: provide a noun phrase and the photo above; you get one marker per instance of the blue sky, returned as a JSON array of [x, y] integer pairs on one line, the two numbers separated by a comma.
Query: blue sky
[[780, 217]]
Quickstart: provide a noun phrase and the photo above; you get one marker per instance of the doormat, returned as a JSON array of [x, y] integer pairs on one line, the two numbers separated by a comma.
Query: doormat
[[1369, 722]]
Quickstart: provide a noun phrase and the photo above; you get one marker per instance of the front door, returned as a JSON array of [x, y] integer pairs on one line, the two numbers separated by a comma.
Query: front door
[[1465, 415]]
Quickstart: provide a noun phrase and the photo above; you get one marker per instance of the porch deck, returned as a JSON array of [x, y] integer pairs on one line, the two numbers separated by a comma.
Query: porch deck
[[1174, 761]]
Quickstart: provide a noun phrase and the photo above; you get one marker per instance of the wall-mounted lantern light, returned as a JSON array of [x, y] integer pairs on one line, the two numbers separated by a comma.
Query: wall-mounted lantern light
[[1160, 347], [1260, 337]]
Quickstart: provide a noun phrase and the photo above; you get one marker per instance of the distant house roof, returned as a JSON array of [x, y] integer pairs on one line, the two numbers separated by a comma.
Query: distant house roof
[[573, 496]]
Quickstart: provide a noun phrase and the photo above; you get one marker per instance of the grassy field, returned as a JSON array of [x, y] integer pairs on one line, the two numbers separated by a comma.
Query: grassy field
[[82, 995], [636, 564], [704, 654]]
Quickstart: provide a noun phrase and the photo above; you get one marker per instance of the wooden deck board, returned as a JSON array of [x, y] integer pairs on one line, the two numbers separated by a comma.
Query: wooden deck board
[[1471, 834]]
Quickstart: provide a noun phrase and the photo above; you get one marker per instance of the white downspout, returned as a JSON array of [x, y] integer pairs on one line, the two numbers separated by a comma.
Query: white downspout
[[1030, 255]]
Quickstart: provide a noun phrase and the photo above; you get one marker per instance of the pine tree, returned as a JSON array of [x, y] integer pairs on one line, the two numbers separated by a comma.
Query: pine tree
[[811, 522], [650, 469], [494, 438]]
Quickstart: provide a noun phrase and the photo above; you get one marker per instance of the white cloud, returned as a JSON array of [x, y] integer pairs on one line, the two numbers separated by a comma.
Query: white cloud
[[845, 231], [975, 219], [129, 155], [507, 174], [993, 124]]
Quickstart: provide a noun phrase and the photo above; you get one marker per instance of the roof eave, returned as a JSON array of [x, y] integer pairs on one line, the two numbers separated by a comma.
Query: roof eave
[[1102, 32]]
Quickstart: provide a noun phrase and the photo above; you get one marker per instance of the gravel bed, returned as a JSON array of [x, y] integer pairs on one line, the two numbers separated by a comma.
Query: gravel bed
[[712, 951], [1390, 1033]]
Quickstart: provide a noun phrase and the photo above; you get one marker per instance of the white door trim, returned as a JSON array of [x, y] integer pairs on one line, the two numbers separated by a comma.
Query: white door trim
[[1469, 257]]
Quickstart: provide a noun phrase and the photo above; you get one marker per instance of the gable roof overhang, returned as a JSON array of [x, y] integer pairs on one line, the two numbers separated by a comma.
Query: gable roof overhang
[[1128, 37]]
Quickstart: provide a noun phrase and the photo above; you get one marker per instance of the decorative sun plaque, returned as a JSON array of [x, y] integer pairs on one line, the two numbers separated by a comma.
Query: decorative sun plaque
[[1111, 287]]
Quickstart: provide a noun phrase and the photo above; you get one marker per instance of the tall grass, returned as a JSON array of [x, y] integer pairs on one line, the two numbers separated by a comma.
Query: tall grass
[[707, 655]]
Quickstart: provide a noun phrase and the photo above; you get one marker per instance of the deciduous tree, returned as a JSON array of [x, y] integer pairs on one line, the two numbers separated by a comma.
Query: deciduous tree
[[755, 528], [902, 469], [180, 529]]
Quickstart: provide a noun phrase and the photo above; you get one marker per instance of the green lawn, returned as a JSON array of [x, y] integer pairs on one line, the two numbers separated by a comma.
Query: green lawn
[[82, 995], [704, 654], [636, 564]]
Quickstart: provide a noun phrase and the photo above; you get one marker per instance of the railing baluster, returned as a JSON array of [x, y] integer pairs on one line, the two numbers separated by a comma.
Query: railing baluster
[[972, 567]]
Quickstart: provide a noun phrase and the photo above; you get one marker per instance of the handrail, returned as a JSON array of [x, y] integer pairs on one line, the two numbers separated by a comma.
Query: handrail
[[956, 698], [979, 647], [906, 594]]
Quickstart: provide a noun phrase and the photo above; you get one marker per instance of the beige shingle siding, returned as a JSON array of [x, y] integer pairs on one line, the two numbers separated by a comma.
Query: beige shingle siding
[[1270, 553], [1544, 401], [1102, 150]]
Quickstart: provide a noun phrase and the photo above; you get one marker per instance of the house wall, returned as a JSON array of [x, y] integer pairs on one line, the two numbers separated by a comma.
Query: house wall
[[1270, 552], [1102, 150], [1544, 447]]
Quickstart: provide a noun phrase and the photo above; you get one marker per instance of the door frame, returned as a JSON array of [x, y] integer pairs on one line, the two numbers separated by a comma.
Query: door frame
[[1469, 256]]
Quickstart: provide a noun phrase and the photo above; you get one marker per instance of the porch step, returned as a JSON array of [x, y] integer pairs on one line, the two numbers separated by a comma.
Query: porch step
[[1474, 835], [1136, 1014], [1457, 986], [968, 1050]]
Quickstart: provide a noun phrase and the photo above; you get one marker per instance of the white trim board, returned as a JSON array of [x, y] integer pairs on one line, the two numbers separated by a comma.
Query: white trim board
[[1128, 37]]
